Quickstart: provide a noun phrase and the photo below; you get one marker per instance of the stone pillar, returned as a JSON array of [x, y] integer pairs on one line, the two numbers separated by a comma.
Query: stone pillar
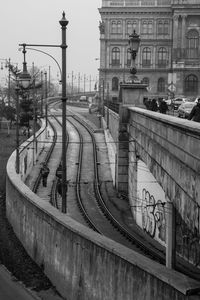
[[154, 57], [170, 235], [131, 94], [122, 152], [175, 31], [183, 35]]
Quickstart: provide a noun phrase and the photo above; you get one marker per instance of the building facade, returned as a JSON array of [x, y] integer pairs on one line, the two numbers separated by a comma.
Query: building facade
[[168, 59]]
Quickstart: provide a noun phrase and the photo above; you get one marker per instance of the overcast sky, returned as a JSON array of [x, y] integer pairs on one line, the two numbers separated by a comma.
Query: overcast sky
[[37, 22]]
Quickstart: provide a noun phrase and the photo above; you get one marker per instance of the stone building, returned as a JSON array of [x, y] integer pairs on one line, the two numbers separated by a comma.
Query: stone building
[[168, 59]]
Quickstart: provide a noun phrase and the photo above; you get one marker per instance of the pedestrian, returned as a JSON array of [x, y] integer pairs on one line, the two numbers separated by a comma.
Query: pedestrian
[[90, 108], [195, 112], [163, 108], [44, 172], [59, 187], [59, 171], [153, 105], [146, 102]]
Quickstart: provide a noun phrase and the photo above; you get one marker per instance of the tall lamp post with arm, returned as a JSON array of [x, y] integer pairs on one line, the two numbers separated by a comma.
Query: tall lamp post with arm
[[63, 22], [23, 82]]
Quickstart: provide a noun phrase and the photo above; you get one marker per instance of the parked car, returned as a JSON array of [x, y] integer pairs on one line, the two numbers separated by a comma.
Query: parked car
[[185, 108], [176, 103]]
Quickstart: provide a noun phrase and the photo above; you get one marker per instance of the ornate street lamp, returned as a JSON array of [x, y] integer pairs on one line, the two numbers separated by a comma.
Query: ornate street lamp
[[134, 42], [24, 78]]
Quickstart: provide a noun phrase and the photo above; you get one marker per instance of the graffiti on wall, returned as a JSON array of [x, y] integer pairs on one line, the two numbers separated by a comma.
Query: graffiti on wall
[[150, 211], [153, 216]]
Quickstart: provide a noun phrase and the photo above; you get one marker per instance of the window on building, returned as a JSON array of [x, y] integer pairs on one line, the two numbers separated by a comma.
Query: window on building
[[144, 27], [160, 27], [192, 44], [145, 80], [113, 27], [119, 27], [147, 27], [146, 56], [131, 26], [162, 56], [191, 84], [115, 56], [163, 27], [161, 85], [166, 27], [150, 27], [115, 84]]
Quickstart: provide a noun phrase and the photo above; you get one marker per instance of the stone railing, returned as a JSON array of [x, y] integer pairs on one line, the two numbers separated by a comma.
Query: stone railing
[[175, 2]]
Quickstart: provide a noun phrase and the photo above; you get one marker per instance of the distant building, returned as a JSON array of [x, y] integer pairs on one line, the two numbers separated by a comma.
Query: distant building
[[169, 55]]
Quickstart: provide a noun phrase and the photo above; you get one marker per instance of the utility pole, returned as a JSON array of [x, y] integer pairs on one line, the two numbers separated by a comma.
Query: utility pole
[[45, 96], [42, 94], [72, 83], [84, 83], [78, 82], [49, 79]]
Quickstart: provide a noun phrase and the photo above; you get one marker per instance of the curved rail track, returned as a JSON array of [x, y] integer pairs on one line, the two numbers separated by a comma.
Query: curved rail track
[[95, 204]]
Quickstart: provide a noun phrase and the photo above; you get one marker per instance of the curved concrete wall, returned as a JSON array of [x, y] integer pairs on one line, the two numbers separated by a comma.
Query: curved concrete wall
[[81, 263]]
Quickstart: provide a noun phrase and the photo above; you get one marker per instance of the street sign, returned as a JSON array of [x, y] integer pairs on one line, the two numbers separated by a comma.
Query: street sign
[[172, 88]]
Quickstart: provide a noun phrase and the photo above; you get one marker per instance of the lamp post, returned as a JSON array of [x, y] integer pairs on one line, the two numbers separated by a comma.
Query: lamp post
[[45, 97], [23, 82], [42, 95], [63, 22], [24, 78], [17, 128], [134, 42]]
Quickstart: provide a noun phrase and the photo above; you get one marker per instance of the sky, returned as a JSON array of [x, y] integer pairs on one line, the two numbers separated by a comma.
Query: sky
[[37, 22]]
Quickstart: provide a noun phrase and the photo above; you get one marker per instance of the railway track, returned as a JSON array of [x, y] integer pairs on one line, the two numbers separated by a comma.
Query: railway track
[[90, 200]]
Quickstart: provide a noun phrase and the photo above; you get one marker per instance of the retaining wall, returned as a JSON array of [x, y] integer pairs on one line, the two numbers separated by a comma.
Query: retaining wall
[[81, 263]]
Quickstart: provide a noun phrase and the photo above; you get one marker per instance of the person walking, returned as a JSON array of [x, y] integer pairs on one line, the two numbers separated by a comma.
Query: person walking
[[163, 108], [195, 112], [44, 172], [153, 105]]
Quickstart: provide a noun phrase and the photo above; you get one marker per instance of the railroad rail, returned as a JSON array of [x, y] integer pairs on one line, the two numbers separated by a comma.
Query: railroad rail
[[97, 200]]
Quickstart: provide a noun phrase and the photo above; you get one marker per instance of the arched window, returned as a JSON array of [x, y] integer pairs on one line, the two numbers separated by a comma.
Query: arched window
[[146, 56], [113, 27], [162, 56], [115, 84], [191, 84], [115, 56], [128, 58], [192, 44], [161, 85], [145, 80]]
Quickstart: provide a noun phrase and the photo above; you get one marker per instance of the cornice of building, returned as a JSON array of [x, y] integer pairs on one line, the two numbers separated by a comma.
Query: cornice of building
[[131, 10]]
